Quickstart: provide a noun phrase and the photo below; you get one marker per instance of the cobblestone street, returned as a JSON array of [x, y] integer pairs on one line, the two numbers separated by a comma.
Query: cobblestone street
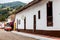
[[10, 36]]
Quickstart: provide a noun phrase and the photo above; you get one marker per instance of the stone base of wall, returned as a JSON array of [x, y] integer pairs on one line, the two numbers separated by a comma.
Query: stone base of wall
[[52, 33]]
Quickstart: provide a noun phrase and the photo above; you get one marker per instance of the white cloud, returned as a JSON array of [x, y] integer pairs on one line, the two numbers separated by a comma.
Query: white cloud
[[6, 1]]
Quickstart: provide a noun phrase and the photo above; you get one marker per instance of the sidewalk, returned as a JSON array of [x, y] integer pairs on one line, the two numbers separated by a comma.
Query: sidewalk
[[40, 37]]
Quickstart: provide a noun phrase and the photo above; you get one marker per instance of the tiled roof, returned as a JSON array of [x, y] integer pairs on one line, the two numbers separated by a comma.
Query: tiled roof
[[28, 5]]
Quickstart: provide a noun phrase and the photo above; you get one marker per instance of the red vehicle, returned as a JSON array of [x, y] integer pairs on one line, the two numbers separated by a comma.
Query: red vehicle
[[8, 27]]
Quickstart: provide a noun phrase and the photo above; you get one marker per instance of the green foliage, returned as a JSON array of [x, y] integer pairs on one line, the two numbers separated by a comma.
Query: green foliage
[[2, 18], [13, 5], [9, 9], [18, 7], [5, 12]]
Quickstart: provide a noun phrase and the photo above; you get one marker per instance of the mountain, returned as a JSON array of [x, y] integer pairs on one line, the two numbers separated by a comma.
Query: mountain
[[7, 8], [12, 4]]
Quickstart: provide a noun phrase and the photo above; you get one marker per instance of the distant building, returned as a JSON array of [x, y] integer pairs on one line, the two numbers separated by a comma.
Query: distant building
[[1, 6], [11, 18], [1, 25]]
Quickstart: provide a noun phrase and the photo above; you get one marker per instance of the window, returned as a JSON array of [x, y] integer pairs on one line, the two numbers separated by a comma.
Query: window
[[49, 14], [39, 14]]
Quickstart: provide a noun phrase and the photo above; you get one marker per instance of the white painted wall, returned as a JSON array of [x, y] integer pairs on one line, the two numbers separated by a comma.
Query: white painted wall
[[42, 22]]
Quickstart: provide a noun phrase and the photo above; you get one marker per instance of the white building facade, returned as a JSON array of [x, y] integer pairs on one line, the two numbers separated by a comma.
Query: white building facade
[[44, 15]]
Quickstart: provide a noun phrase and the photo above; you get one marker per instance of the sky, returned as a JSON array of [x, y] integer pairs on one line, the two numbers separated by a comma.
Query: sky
[[6, 1]]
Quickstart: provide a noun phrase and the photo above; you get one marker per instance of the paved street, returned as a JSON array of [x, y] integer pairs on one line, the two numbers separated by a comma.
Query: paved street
[[10, 36]]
